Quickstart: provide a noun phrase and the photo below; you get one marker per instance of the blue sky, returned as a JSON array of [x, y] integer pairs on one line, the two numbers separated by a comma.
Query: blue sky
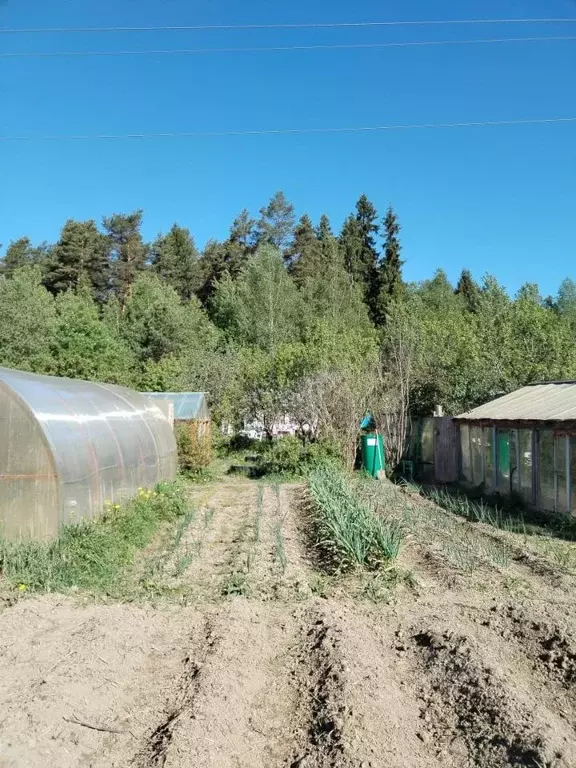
[[500, 200]]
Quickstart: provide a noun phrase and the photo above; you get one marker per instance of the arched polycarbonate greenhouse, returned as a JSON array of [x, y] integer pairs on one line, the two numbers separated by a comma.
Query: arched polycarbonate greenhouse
[[69, 446]]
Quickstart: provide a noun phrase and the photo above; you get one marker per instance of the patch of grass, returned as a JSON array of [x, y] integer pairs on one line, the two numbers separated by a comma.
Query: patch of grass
[[93, 555], [279, 551], [438, 522], [183, 562], [348, 531], [235, 585], [517, 586], [259, 510]]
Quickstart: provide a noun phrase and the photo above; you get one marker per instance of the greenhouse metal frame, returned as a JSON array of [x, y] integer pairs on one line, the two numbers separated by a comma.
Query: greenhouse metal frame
[[69, 446]]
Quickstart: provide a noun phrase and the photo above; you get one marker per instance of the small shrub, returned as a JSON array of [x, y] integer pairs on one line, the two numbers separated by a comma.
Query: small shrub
[[283, 456], [289, 456], [194, 450]]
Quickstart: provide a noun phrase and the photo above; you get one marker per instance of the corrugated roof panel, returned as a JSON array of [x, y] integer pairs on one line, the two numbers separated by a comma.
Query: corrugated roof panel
[[538, 402], [187, 405]]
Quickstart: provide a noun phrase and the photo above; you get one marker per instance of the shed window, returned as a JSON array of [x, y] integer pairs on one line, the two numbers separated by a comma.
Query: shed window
[[465, 453], [560, 472], [504, 441], [476, 455], [546, 496], [573, 474], [525, 463], [514, 462], [489, 447]]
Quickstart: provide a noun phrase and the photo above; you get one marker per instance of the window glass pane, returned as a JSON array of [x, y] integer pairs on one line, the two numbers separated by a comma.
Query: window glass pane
[[525, 463], [514, 462], [488, 442], [573, 475], [476, 454], [547, 496], [560, 472], [503, 461], [465, 453]]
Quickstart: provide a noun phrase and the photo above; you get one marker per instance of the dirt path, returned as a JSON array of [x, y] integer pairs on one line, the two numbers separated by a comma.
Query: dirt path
[[245, 662]]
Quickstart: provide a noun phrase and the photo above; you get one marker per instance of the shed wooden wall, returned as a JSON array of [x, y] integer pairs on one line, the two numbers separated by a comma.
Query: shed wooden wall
[[446, 448]]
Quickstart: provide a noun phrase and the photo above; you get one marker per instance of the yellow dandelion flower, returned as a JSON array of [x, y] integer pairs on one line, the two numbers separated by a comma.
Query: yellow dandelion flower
[[22, 587]]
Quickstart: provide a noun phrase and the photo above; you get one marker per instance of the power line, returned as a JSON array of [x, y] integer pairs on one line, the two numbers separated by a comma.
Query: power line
[[280, 48], [279, 131], [311, 25]]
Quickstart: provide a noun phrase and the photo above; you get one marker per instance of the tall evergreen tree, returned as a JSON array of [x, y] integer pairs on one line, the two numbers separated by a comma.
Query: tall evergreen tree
[[243, 231], [175, 258], [469, 290], [229, 257], [391, 283], [276, 222], [21, 253], [129, 252], [304, 254], [324, 230], [81, 254], [358, 240]]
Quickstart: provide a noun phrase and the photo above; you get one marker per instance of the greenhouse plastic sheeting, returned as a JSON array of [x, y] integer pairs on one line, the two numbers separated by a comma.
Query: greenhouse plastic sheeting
[[188, 406], [69, 446]]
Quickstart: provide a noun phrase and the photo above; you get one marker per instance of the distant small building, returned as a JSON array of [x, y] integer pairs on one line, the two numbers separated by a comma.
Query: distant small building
[[525, 443], [188, 407]]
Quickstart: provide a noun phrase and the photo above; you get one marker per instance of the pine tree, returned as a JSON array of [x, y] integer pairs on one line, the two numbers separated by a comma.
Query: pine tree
[[81, 254], [21, 253], [324, 230], [469, 290], [358, 240], [229, 257], [175, 258], [390, 279], [129, 252], [243, 231], [276, 222], [241, 243], [304, 254]]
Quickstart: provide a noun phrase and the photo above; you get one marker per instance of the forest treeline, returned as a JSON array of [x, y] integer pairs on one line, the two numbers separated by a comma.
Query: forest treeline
[[282, 315]]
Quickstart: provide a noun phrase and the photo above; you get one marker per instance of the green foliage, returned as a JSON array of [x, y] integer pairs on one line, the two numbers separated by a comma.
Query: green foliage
[[81, 255], [350, 533], [277, 319], [276, 222], [290, 456], [304, 256], [93, 555], [175, 258], [84, 347], [21, 253], [261, 308], [194, 450], [27, 322], [390, 281], [128, 251]]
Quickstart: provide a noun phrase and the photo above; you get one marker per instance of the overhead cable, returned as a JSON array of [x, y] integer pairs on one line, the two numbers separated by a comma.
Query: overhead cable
[[285, 131], [280, 48], [305, 25]]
